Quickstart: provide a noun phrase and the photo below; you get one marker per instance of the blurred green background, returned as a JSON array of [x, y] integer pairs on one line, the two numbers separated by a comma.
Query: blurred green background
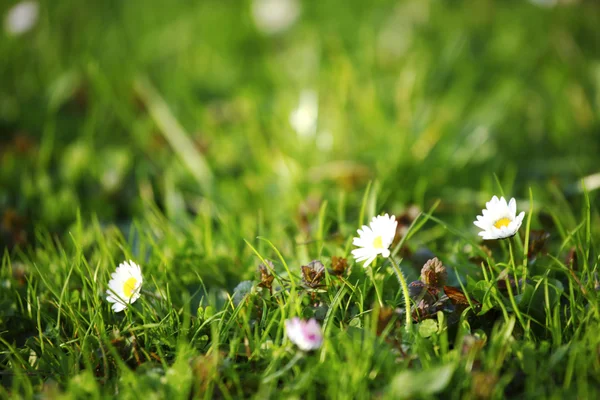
[[259, 110]]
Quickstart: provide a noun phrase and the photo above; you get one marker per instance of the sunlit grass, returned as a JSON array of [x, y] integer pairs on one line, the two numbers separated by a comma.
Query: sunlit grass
[[170, 136]]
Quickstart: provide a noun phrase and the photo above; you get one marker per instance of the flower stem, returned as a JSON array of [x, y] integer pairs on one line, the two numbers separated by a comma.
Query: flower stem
[[524, 274], [372, 276], [514, 265], [404, 287]]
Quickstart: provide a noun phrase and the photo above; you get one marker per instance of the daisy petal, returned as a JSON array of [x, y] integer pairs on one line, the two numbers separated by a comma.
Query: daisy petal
[[375, 239], [498, 219], [125, 285]]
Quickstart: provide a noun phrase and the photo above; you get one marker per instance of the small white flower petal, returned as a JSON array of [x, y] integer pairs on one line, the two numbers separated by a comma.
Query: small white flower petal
[[125, 285], [369, 261], [498, 220], [480, 224], [359, 241], [512, 205], [503, 202], [375, 239]]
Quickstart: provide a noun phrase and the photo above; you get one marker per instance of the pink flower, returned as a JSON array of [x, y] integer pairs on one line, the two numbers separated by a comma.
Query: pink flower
[[306, 335]]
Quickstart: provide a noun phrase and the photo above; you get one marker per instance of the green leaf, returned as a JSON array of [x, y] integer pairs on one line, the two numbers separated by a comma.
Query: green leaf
[[428, 328], [409, 383], [179, 375], [524, 298], [482, 292], [83, 385]]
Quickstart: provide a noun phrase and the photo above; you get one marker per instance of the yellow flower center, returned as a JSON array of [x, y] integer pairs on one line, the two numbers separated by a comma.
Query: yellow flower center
[[129, 287], [378, 242], [502, 222]]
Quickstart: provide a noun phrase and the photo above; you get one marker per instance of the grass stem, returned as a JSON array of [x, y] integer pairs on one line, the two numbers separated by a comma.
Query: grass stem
[[404, 287]]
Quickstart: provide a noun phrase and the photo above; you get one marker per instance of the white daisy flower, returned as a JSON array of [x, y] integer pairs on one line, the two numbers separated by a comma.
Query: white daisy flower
[[375, 239], [21, 18], [499, 219], [275, 16], [125, 286], [306, 335], [304, 118]]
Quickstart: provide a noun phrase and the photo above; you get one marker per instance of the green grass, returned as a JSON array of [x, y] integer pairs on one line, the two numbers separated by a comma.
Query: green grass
[[161, 134]]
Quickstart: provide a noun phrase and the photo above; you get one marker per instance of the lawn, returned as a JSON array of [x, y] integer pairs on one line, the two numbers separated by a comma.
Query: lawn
[[233, 148]]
